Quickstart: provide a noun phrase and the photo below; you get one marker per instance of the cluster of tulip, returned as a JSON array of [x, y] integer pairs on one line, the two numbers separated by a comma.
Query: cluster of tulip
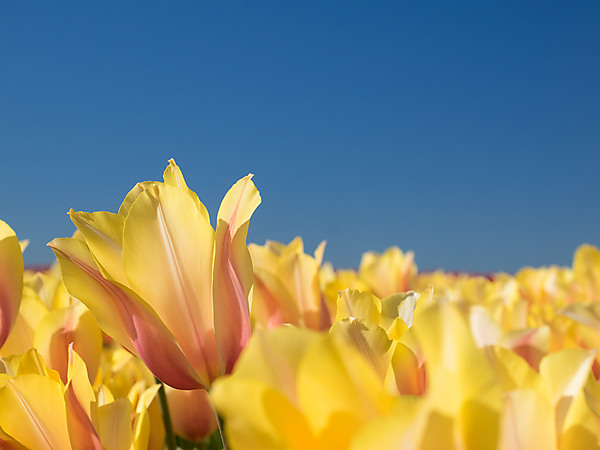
[[157, 330]]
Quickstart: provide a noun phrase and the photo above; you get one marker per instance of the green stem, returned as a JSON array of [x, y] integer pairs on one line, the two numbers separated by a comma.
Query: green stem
[[166, 415], [220, 425]]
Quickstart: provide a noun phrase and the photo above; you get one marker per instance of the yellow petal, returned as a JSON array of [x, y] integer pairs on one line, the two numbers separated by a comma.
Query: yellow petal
[[174, 177], [273, 357], [272, 303], [452, 359], [74, 257], [265, 419], [103, 233], [369, 339], [566, 373], [132, 196], [579, 429], [115, 424], [81, 390], [59, 328], [408, 375], [167, 255], [338, 391], [31, 362], [142, 425], [31, 312], [33, 412], [360, 305], [11, 279], [124, 315], [299, 272], [400, 305], [527, 422], [512, 371], [401, 430]]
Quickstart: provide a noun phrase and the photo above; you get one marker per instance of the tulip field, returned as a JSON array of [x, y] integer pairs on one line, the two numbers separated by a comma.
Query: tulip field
[[157, 329]]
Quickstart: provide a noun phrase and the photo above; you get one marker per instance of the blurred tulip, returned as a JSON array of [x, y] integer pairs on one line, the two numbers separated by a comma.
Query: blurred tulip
[[73, 325], [192, 413], [286, 286], [296, 389], [388, 273]]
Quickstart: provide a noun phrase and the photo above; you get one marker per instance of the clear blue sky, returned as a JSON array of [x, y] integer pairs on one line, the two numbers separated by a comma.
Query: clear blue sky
[[468, 132]]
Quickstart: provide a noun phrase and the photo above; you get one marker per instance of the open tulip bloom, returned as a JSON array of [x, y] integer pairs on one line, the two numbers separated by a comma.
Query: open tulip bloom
[[162, 282]]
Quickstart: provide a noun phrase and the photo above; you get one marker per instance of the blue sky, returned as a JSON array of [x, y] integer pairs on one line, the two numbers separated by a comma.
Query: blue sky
[[468, 132]]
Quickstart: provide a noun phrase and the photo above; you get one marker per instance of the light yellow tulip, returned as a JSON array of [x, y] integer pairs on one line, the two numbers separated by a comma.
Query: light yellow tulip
[[162, 282], [11, 279]]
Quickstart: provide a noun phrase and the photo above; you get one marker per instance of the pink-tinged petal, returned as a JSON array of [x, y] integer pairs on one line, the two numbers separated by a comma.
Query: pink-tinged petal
[[11, 279], [192, 413], [233, 273], [271, 302], [531, 344], [124, 315], [62, 327], [84, 282], [81, 431], [167, 254]]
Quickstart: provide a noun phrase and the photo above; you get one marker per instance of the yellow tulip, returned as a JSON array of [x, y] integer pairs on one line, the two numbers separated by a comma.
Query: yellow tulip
[[286, 286], [388, 273], [297, 389], [39, 411], [11, 279], [162, 282]]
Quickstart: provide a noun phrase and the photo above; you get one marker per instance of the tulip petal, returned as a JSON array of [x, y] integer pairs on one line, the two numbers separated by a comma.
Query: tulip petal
[[103, 233], [81, 431], [409, 377], [174, 177], [115, 424], [11, 279], [300, 272], [452, 359], [338, 391], [233, 274], [124, 316], [59, 328], [527, 422], [192, 413], [273, 357], [265, 419], [369, 339], [132, 196], [359, 305], [33, 412], [31, 312], [167, 255]]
